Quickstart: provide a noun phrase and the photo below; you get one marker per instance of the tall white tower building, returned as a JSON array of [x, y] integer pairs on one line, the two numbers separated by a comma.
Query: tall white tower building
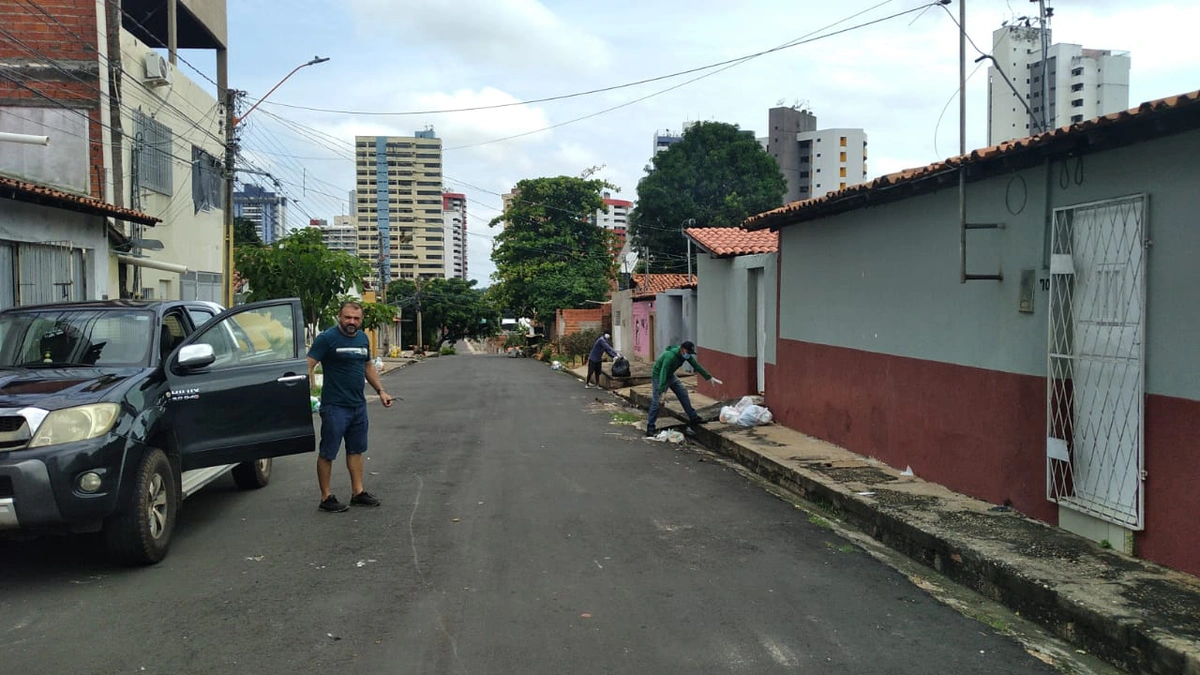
[[1081, 83]]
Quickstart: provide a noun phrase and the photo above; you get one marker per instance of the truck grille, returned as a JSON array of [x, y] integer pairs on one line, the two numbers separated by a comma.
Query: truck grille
[[14, 433]]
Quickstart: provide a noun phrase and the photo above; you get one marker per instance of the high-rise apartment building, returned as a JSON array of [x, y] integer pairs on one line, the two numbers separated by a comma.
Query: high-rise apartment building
[[614, 217], [814, 161], [454, 219], [398, 205], [342, 235], [1080, 83], [266, 209], [665, 139]]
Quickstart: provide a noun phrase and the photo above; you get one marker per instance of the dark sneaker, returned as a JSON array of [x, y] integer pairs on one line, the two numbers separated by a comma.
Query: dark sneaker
[[696, 421], [364, 498], [650, 433], [331, 505]]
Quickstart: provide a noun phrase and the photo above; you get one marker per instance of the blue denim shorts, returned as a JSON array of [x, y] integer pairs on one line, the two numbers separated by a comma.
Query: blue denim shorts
[[341, 422]]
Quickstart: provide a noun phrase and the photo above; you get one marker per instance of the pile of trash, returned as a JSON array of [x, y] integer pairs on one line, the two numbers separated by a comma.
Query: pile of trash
[[748, 412], [556, 365]]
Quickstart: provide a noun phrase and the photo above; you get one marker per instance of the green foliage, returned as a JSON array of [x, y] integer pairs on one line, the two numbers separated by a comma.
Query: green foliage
[[300, 265], [450, 308], [375, 314], [244, 233], [717, 176], [577, 345], [552, 255], [547, 353], [515, 340], [447, 351]]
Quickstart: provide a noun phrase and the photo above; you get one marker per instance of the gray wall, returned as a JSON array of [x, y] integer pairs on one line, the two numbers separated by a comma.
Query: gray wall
[[20, 222], [782, 126], [63, 163], [885, 279], [723, 303], [674, 317]]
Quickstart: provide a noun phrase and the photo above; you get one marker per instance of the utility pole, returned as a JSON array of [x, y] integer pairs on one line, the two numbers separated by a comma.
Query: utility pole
[[420, 335], [1042, 17], [231, 98]]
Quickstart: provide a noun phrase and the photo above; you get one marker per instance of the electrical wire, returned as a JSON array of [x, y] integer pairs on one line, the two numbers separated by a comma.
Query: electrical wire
[[589, 92]]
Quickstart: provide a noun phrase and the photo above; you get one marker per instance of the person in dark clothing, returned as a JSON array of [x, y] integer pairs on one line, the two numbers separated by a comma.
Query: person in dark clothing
[[344, 353], [663, 376], [599, 349]]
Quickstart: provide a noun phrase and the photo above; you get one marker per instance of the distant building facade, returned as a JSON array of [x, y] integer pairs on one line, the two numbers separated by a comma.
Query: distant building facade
[[266, 209], [398, 205], [814, 162], [454, 220], [1082, 83], [342, 235]]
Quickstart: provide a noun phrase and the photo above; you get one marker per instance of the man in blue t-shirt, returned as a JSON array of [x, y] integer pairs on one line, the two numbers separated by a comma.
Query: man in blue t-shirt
[[344, 354]]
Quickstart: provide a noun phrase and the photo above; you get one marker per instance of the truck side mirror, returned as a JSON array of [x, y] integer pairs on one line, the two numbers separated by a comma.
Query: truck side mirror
[[196, 356]]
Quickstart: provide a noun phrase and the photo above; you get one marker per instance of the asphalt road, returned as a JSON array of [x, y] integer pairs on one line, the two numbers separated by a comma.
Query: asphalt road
[[521, 532]]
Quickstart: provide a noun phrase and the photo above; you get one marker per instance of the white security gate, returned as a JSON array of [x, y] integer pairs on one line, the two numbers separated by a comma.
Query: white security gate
[[1094, 458]]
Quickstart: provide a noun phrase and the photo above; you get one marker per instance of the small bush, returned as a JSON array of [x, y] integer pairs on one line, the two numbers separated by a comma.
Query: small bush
[[577, 345], [447, 351], [514, 340], [546, 354]]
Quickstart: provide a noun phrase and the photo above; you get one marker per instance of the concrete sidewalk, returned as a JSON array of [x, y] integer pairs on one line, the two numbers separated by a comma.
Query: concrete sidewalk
[[1141, 617]]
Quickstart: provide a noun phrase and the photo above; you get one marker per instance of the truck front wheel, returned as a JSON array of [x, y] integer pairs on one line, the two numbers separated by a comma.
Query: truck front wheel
[[140, 533]]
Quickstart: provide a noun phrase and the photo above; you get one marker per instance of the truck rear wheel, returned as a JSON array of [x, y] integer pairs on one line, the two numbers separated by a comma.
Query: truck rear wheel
[[253, 475], [140, 533]]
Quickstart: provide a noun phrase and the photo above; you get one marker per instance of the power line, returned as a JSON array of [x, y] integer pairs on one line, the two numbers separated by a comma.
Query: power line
[[735, 63], [589, 92]]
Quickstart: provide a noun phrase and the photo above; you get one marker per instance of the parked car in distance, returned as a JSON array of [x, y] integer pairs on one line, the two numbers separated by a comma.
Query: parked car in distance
[[112, 412]]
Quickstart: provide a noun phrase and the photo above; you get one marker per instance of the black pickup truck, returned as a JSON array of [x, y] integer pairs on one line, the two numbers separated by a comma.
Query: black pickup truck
[[111, 412]]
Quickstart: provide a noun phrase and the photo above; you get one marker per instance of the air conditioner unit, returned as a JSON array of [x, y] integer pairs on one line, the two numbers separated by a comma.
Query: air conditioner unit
[[158, 70]]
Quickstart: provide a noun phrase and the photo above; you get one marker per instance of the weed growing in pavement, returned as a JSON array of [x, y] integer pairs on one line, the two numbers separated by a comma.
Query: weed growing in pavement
[[1104, 543], [819, 521], [623, 417], [447, 351], [999, 625], [844, 548]]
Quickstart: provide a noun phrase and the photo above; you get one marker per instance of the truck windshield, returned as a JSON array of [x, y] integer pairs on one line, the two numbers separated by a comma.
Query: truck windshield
[[57, 338]]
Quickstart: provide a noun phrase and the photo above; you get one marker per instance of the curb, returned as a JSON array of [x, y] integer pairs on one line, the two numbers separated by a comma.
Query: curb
[[1069, 608]]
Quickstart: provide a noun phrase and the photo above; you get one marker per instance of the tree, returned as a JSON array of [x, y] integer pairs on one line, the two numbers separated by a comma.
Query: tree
[[299, 265], [551, 254], [375, 314], [717, 176], [451, 309], [244, 233]]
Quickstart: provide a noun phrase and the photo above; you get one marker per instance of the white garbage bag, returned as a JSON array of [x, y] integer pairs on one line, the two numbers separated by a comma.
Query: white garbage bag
[[378, 363], [729, 415], [670, 436], [556, 365], [754, 415], [746, 402]]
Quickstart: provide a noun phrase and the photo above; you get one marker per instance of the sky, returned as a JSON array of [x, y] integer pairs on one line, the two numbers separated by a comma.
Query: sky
[[897, 79]]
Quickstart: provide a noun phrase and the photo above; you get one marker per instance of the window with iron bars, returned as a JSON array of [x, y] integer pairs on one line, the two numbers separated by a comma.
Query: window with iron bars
[[154, 145]]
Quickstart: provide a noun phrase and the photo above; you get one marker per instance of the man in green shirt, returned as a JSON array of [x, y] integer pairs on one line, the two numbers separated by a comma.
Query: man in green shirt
[[663, 376]]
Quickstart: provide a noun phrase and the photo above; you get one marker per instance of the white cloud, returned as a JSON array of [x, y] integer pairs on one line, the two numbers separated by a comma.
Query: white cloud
[[503, 33]]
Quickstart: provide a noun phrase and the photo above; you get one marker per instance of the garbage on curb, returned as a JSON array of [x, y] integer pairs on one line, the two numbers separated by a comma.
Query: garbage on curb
[[556, 365], [620, 367], [669, 436], [314, 402], [747, 412], [907, 472], [378, 363]]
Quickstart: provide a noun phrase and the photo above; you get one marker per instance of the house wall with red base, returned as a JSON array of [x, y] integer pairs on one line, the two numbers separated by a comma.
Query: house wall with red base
[[730, 315], [883, 350]]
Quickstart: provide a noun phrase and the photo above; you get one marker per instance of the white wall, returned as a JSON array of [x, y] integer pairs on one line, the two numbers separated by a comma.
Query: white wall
[[189, 238]]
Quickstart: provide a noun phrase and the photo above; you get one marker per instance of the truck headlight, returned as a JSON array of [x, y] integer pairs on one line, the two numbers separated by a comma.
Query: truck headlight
[[75, 424]]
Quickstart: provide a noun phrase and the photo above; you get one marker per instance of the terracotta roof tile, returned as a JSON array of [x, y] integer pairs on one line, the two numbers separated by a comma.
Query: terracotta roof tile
[[1184, 109], [647, 285], [732, 241], [34, 193]]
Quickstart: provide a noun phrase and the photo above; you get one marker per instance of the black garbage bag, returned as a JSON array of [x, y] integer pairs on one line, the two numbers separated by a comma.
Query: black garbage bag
[[620, 367]]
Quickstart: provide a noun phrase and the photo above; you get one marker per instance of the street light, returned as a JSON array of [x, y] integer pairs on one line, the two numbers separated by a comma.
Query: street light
[[231, 122]]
